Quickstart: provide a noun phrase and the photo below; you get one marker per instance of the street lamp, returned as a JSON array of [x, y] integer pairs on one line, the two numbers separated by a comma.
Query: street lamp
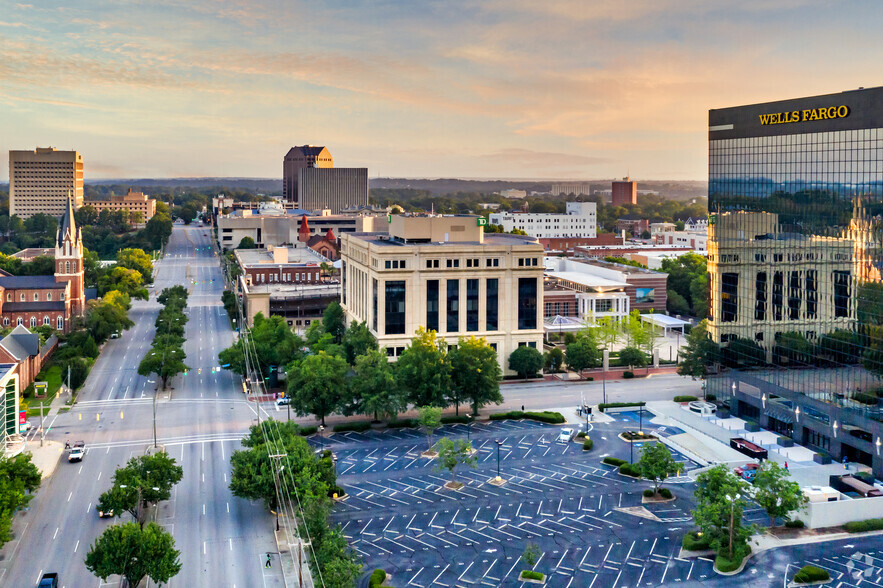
[[835, 426], [469, 428], [797, 413], [704, 391], [878, 444], [321, 430], [732, 517], [499, 444], [763, 399]]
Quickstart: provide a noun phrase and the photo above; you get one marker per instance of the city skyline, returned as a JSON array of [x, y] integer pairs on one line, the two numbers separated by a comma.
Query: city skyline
[[559, 90]]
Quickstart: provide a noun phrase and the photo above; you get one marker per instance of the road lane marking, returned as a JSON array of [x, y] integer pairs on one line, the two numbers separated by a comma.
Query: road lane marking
[[69, 496], [77, 546], [56, 533]]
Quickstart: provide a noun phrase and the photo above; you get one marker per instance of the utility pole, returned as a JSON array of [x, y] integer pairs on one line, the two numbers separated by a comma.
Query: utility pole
[[42, 429], [277, 457]]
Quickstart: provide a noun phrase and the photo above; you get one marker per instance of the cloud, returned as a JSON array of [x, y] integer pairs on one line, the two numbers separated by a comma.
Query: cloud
[[516, 157]]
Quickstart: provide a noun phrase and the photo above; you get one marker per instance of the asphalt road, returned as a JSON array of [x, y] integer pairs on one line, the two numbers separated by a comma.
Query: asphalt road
[[223, 540]]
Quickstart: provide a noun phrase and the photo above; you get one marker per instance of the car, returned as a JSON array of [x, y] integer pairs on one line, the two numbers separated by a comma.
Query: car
[[78, 450], [565, 435], [748, 471], [284, 401], [49, 581], [115, 335], [104, 514]]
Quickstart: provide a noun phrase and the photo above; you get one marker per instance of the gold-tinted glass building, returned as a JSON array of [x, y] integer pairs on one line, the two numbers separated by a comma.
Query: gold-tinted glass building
[[796, 303]]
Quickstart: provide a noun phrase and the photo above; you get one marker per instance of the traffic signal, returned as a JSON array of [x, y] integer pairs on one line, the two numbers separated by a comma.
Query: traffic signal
[[199, 371]]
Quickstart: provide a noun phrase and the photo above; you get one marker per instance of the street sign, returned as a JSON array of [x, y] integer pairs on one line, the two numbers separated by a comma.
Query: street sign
[[22, 421]]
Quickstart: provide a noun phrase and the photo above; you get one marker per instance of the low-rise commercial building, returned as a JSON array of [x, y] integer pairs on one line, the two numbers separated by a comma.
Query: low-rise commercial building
[[135, 203], [644, 288], [579, 220], [687, 239], [9, 404], [445, 274], [298, 264], [298, 304]]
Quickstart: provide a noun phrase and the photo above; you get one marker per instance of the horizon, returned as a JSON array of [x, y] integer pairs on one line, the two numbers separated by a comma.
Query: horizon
[[564, 89]]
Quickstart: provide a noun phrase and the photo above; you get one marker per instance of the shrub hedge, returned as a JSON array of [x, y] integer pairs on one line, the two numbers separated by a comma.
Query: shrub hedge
[[531, 575], [554, 418], [648, 493], [693, 541], [862, 526], [795, 524], [449, 420], [630, 469], [402, 424], [614, 461], [685, 398], [309, 430], [358, 426], [809, 574], [378, 577], [665, 492], [628, 375], [724, 564], [588, 444], [607, 405], [581, 434]]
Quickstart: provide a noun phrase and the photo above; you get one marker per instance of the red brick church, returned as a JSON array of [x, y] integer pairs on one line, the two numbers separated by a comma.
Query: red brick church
[[53, 300]]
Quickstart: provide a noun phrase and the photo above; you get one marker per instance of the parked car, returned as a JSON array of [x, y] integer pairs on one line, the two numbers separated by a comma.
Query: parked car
[[747, 472], [565, 435], [284, 401]]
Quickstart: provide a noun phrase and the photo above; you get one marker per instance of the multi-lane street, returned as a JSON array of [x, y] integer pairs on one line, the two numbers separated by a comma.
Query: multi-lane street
[[223, 540]]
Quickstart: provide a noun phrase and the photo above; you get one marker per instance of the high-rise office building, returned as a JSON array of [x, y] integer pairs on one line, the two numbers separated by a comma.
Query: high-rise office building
[[332, 189], [795, 252], [298, 158], [41, 180], [624, 192]]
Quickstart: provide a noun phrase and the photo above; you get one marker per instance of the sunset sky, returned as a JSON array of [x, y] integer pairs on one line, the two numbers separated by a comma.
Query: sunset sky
[[581, 89]]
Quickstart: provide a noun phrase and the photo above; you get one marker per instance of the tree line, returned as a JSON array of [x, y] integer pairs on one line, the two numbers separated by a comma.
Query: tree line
[[166, 356], [340, 369]]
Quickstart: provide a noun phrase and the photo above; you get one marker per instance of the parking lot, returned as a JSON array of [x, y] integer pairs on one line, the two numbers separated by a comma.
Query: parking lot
[[587, 519]]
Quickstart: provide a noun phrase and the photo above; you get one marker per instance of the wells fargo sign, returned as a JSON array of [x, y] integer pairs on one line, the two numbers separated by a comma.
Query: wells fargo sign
[[810, 114]]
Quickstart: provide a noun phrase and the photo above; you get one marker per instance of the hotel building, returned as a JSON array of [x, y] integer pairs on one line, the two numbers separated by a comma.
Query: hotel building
[[795, 198], [41, 180], [445, 274]]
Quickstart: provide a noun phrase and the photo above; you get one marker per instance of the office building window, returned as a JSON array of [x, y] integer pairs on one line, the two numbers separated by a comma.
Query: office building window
[[760, 296], [491, 303], [453, 306], [374, 308], [59, 323], [495, 262], [812, 295], [729, 300], [794, 296], [394, 322], [527, 303], [841, 294], [453, 263], [431, 264], [778, 295], [432, 305], [472, 304]]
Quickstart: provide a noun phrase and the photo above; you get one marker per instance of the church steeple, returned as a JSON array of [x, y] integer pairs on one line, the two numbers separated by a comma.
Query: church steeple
[[67, 230], [69, 259]]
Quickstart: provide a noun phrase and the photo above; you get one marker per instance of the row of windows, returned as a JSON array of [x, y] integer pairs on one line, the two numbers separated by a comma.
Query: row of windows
[[790, 290], [59, 322], [286, 277], [528, 261], [23, 298]]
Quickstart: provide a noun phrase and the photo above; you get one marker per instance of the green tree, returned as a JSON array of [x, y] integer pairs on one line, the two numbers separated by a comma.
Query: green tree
[[149, 476], [423, 370], [553, 360], [583, 353], [92, 269], [357, 341], [699, 353], [317, 384], [173, 296], [134, 552], [233, 358], [77, 368], [475, 373], [138, 260], [429, 418], [525, 361], [607, 331], [246, 243], [373, 386], [19, 479], [714, 510], [657, 464], [776, 494], [454, 453], [681, 273], [677, 303], [334, 321], [165, 362], [636, 333], [231, 306], [125, 280], [699, 295], [104, 318], [632, 357]]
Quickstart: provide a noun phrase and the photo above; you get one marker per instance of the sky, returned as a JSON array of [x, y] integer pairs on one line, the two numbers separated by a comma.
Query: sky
[[551, 89]]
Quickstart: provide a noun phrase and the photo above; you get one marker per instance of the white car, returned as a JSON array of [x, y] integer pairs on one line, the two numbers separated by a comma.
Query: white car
[[565, 435]]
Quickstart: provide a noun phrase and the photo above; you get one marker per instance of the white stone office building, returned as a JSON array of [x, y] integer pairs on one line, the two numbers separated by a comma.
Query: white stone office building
[[445, 274], [579, 220]]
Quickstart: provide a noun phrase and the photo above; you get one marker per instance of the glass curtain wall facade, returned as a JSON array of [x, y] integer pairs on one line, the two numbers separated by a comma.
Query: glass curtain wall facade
[[795, 297]]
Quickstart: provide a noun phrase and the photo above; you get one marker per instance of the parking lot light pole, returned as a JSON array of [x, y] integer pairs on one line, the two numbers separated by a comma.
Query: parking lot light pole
[[499, 444], [631, 451], [469, 428]]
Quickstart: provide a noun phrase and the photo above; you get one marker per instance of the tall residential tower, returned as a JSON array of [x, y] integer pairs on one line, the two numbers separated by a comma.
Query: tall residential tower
[[41, 180]]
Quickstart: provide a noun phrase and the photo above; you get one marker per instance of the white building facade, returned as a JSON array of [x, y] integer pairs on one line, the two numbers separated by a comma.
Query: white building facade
[[579, 220]]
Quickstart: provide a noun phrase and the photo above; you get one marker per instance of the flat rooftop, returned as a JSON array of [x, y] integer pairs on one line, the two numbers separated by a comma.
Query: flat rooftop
[[586, 279], [490, 239], [296, 256], [295, 290]]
